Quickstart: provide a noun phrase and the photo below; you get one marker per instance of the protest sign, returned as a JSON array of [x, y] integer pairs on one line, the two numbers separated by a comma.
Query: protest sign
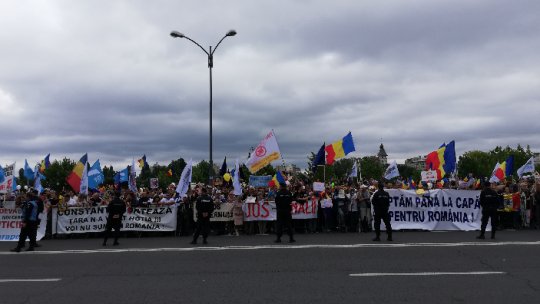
[[435, 210], [259, 181], [94, 219], [318, 187], [10, 224], [429, 176]]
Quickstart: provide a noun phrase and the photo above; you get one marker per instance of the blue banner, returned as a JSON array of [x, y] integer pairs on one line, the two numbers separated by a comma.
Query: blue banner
[[259, 181]]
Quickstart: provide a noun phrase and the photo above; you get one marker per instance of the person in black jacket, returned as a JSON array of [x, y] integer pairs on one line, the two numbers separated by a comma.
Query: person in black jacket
[[205, 207], [381, 204], [30, 218], [489, 201], [283, 201], [116, 210]]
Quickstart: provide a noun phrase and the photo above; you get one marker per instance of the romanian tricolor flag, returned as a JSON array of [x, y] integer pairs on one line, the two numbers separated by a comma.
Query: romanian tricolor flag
[[339, 149], [442, 160], [75, 177], [45, 163], [412, 184], [278, 179], [499, 173]]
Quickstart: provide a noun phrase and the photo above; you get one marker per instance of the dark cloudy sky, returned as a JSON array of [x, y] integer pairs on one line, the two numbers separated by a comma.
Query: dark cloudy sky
[[105, 77]]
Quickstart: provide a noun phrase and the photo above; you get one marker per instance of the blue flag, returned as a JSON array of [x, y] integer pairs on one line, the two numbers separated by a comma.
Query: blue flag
[[121, 176], [28, 173], [2, 175], [319, 158], [450, 158], [510, 165], [95, 176]]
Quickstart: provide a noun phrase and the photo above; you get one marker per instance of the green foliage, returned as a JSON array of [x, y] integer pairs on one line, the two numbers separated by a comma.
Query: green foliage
[[407, 171], [267, 170], [372, 168], [57, 174], [481, 164], [201, 172]]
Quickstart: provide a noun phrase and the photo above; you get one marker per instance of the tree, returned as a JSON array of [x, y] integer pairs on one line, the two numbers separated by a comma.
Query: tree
[[408, 171], [200, 172], [56, 175], [372, 168]]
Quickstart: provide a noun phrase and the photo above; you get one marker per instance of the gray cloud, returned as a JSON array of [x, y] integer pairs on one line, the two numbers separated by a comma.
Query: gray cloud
[[106, 78]]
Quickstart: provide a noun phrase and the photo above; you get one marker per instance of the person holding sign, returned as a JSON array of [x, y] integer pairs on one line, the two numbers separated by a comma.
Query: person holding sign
[[116, 210], [205, 207], [381, 204], [284, 200]]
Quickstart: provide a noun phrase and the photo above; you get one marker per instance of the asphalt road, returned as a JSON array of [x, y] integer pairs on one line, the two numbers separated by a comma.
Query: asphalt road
[[418, 267]]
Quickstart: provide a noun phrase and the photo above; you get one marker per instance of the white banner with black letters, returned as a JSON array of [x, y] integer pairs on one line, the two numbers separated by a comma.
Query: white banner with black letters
[[94, 219], [438, 209]]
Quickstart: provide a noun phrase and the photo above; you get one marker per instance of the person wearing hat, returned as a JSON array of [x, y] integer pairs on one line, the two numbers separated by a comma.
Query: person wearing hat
[[489, 201], [381, 204], [284, 200]]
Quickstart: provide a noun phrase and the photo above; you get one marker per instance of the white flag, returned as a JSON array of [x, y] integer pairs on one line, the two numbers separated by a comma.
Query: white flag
[[185, 180], [354, 171], [527, 168], [392, 171], [236, 180], [266, 152], [84, 181]]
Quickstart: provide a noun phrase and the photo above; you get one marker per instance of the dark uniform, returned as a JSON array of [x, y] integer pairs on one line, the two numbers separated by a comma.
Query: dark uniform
[[284, 200], [489, 201], [30, 218], [381, 204], [116, 210], [205, 207]]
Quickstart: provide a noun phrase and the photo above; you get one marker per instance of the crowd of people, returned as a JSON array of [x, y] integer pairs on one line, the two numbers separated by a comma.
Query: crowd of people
[[343, 207]]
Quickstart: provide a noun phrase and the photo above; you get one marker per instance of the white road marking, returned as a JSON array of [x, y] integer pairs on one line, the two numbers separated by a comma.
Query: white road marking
[[385, 274], [262, 247], [29, 280]]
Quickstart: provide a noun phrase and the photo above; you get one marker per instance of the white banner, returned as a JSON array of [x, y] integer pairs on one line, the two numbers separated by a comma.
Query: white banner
[[267, 211], [435, 210], [10, 224], [82, 220], [222, 213]]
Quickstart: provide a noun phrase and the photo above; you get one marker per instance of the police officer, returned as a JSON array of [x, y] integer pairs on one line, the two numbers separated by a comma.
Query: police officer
[[29, 223], [381, 204], [284, 200], [116, 210], [489, 201], [205, 207]]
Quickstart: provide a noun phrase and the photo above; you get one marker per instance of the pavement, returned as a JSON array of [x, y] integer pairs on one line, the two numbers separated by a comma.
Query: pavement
[[417, 267]]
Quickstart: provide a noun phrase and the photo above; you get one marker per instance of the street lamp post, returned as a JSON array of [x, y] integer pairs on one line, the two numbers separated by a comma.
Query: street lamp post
[[210, 54]]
